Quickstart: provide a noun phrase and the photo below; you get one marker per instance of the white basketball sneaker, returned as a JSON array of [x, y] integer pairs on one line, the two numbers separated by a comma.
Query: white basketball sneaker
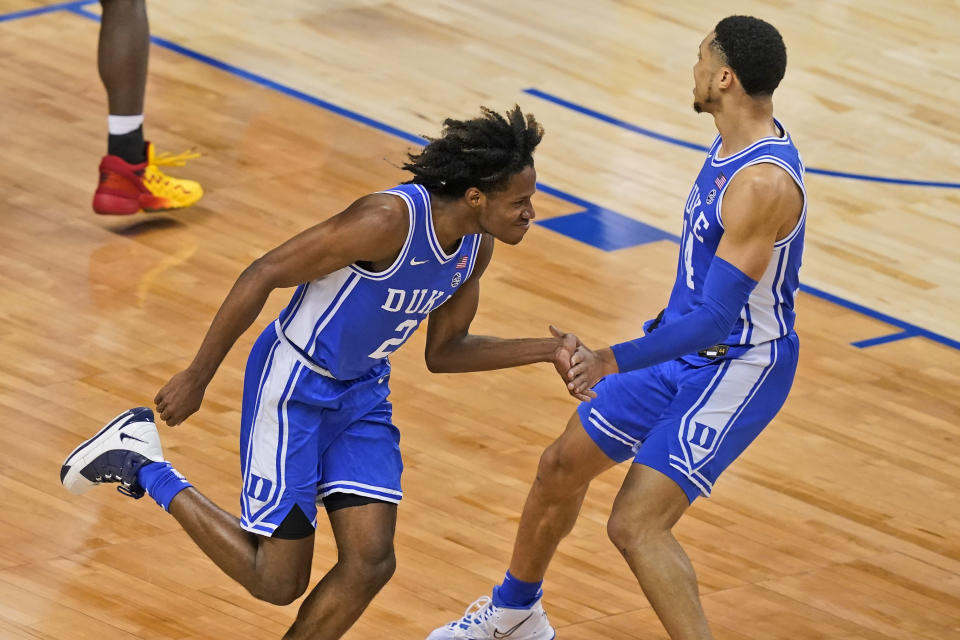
[[483, 620], [115, 454]]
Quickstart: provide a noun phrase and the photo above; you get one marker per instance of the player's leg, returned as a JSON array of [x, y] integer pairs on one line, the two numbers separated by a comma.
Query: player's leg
[[128, 451], [272, 569], [122, 55], [130, 179], [279, 458], [589, 445], [718, 411], [563, 475], [647, 507], [566, 468], [360, 473], [365, 563]]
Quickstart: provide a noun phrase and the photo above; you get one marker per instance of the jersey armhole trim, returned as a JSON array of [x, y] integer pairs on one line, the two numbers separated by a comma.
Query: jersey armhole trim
[[434, 242], [783, 165], [475, 251], [393, 268]]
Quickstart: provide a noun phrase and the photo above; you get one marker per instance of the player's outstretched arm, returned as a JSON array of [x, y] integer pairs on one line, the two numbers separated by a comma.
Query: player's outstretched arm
[[451, 348], [371, 229], [761, 204]]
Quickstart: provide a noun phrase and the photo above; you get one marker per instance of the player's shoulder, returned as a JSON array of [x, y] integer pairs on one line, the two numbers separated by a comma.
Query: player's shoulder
[[764, 181], [382, 206], [384, 213], [760, 195], [375, 225]]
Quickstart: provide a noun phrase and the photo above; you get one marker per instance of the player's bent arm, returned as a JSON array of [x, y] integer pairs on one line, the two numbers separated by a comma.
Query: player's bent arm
[[371, 229], [760, 203], [451, 348]]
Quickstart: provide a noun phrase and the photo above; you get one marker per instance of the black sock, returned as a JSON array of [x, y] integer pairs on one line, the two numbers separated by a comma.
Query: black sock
[[129, 146]]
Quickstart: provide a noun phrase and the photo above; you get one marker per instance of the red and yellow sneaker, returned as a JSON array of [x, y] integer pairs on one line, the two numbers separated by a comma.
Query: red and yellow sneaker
[[128, 188]]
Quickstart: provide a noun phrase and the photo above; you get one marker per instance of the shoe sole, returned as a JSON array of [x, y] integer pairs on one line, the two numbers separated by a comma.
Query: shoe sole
[[77, 460], [108, 204]]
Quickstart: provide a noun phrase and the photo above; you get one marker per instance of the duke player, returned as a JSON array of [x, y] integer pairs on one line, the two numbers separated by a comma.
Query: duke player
[[685, 400], [316, 422]]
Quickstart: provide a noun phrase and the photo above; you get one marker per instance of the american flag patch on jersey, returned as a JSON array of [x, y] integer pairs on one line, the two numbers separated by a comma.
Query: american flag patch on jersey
[[462, 262], [720, 181]]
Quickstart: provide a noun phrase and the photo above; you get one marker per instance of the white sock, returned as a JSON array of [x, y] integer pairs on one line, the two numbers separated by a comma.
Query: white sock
[[119, 125]]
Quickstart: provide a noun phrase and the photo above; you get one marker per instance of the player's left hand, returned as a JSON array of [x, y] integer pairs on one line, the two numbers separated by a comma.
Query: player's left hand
[[587, 368]]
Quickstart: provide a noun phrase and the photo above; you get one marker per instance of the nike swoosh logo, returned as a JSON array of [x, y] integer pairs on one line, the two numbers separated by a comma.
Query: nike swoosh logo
[[509, 632], [124, 435], [416, 262]]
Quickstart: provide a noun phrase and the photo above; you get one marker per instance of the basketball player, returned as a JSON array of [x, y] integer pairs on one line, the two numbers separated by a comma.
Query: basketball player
[[129, 178], [316, 421], [685, 400]]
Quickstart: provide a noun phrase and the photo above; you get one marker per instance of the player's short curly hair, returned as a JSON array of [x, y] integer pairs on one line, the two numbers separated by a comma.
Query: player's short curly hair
[[754, 50], [483, 152]]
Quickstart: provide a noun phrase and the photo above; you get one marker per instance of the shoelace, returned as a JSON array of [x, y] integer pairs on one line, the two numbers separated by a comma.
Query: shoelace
[[136, 495], [125, 476], [163, 185], [167, 159], [478, 612]]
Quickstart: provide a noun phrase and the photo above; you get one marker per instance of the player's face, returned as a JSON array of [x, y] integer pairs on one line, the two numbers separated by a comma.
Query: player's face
[[508, 213], [704, 94]]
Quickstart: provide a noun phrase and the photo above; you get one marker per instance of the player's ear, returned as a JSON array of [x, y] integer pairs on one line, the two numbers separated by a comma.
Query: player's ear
[[726, 78], [474, 197]]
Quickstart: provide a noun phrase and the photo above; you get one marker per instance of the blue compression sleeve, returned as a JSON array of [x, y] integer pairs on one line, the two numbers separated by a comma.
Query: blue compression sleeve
[[725, 290]]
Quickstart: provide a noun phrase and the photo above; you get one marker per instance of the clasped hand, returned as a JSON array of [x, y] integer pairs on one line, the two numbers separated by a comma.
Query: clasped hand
[[581, 367]]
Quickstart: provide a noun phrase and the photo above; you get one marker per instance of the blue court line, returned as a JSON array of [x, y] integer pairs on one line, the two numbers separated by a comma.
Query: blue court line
[[16, 15], [909, 330], [617, 122], [893, 337], [689, 145]]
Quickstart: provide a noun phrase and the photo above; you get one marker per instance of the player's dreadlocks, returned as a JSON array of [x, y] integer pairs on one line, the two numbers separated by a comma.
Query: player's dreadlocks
[[483, 152]]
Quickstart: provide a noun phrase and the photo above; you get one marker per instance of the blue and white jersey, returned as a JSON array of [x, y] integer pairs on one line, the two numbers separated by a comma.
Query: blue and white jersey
[[769, 313], [349, 321]]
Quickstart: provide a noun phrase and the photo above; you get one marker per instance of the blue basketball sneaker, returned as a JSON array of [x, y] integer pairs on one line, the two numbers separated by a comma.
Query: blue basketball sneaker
[[483, 620], [115, 454]]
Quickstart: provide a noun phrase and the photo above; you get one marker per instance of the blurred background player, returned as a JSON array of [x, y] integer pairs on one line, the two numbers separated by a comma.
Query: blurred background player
[[130, 180]]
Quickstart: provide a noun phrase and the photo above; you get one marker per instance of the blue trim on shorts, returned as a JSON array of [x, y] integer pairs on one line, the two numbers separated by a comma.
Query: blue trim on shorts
[[616, 451], [338, 487], [610, 447]]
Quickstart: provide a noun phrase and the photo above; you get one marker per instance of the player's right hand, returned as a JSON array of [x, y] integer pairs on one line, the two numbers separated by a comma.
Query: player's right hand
[[180, 397], [562, 359]]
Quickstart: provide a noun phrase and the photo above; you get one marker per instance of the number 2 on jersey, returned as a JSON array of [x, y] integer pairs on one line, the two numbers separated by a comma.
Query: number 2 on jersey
[[392, 344]]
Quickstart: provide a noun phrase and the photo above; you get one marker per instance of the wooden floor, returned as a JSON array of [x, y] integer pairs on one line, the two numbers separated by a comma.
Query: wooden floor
[[840, 522]]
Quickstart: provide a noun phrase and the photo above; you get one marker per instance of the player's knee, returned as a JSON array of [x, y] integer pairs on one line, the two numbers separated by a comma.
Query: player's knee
[[629, 533], [371, 566], [557, 471], [372, 576], [623, 533], [281, 592]]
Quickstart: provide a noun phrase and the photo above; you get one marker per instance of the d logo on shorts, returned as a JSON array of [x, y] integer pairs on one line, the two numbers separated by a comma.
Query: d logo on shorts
[[258, 488], [700, 438]]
